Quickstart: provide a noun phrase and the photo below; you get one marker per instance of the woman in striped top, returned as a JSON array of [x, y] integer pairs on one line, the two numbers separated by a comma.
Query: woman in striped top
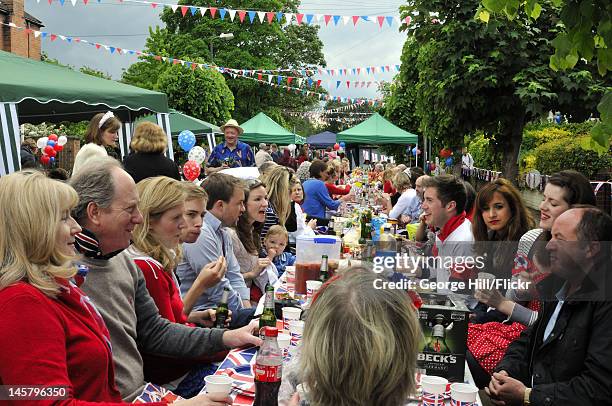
[[278, 185]]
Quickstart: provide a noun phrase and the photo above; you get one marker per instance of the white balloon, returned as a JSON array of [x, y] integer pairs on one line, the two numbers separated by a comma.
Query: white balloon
[[42, 142], [62, 140], [292, 147], [197, 154]]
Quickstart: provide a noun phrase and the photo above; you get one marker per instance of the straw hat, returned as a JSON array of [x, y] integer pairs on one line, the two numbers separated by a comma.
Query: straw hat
[[232, 123]]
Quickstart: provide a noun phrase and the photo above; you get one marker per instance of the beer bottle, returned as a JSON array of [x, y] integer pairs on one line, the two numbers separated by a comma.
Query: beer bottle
[[268, 370], [222, 312], [330, 227], [268, 317], [324, 273]]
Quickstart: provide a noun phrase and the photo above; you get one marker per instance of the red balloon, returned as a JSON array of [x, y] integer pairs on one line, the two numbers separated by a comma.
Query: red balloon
[[44, 159], [336, 147], [48, 150], [445, 153], [58, 147], [191, 170], [53, 137], [52, 153]]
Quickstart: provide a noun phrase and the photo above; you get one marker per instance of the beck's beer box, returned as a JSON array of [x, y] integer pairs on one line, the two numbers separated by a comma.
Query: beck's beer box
[[444, 321]]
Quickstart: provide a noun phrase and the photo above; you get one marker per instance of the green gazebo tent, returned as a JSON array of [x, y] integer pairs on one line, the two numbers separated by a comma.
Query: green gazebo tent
[[181, 121], [33, 91], [377, 130], [262, 128]]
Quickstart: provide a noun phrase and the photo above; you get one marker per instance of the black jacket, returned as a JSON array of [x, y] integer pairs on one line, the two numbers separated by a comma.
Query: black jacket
[[141, 166], [28, 159], [574, 365]]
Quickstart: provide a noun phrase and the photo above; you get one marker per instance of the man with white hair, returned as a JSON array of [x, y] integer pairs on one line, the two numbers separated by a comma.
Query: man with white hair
[[262, 155]]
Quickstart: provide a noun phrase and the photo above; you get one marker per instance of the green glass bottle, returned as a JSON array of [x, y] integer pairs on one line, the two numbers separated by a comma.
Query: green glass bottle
[[324, 272], [268, 317], [222, 312]]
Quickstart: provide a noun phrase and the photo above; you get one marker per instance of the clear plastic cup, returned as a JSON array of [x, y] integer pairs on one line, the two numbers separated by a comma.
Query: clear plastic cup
[[290, 314], [284, 341], [311, 288], [296, 329], [218, 384]]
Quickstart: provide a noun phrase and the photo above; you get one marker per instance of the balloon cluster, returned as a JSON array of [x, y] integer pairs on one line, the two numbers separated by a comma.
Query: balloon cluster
[[50, 146], [446, 153], [339, 147], [197, 155]]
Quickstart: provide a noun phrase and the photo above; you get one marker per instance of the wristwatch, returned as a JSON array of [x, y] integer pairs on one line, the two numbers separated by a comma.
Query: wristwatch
[[526, 401]]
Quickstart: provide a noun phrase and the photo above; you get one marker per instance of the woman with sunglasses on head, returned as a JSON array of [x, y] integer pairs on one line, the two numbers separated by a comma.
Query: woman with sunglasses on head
[[488, 342]]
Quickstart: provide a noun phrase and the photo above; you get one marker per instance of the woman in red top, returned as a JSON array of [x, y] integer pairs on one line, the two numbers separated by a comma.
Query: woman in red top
[[156, 251], [52, 335], [334, 190]]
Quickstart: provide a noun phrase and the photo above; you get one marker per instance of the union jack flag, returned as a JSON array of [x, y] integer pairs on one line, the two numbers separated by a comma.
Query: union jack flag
[[154, 393], [461, 403], [239, 366]]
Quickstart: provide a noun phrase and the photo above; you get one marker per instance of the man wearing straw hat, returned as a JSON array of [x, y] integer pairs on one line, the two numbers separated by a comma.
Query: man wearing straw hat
[[232, 153]]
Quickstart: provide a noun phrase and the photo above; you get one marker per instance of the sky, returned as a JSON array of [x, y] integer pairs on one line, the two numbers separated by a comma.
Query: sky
[[126, 25]]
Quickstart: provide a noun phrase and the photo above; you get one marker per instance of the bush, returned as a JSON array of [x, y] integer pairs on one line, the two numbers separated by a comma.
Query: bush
[[481, 151], [567, 153]]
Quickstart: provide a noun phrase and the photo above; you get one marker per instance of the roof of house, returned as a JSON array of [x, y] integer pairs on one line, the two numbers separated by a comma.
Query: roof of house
[[28, 17]]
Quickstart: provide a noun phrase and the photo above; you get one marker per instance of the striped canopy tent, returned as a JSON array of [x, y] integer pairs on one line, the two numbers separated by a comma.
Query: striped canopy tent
[[34, 92]]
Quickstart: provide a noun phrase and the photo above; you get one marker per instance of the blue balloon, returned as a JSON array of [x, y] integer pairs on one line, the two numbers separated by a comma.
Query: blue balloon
[[186, 140], [52, 159], [449, 161], [51, 143], [414, 151], [342, 144]]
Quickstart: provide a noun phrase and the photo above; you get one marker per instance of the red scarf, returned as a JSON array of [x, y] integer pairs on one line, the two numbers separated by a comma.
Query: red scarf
[[451, 225]]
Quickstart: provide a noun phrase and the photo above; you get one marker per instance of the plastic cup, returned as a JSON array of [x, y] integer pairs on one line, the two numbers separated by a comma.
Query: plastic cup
[[296, 329], [290, 314], [464, 393], [311, 288], [434, 388], [284, 341], [221, 384]]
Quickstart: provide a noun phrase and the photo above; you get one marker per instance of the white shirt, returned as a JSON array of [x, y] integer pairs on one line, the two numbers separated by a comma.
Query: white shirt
[[458, 244], [404, 205], [467, 161], [302, 227]]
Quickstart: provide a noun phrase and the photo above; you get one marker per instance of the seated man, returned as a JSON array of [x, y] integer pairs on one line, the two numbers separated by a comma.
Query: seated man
[[565, 358], [107, 212], [225, 205]]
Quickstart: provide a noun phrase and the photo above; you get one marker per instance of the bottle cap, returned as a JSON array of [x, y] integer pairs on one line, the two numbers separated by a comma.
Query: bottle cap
[[270, 331]]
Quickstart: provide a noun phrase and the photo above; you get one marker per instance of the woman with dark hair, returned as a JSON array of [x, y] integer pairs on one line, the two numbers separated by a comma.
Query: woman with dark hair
[[317, 197], [296, 222], [245, 237], [103, 130], [470, 194], [487, 343], [287, 160]]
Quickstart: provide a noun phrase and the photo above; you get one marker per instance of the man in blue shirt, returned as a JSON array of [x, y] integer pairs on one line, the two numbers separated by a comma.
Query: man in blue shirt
[[232, 153], [225, 205]]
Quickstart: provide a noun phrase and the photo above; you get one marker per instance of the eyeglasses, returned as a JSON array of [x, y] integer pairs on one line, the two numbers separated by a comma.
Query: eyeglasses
[[254, 183]]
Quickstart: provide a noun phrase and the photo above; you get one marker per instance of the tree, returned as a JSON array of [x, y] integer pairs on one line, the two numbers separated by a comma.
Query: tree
[[586, 33], [465, 76], [254, 46]]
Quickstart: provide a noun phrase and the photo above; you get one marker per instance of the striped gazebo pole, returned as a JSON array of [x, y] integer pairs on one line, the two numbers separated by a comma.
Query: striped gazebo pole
[[163, 120], [10, 139], [125, 138]]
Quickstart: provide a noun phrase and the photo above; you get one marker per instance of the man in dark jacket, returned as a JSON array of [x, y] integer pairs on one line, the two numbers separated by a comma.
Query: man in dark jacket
[[28, 154], [566, 357]]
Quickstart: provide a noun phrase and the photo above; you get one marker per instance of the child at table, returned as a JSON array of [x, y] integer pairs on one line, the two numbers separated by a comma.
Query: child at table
[[274, 246]]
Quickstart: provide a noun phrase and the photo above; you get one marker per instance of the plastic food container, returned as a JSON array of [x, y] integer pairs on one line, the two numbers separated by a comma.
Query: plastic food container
[[309, 250]]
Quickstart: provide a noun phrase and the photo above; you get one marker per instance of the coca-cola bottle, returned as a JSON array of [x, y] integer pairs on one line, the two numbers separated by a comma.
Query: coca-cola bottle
[[268, 369]]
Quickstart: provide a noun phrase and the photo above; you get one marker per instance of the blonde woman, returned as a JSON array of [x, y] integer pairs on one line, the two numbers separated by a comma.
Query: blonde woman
[[407, 206], [359, 346], [156, 251], [279, 197], [149, 145], [51, 333]]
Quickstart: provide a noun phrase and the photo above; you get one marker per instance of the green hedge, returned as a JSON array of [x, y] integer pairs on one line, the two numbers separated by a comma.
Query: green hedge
[[567, 153]]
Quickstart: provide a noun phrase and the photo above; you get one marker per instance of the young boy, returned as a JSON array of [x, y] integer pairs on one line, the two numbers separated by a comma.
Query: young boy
[[274, 246]]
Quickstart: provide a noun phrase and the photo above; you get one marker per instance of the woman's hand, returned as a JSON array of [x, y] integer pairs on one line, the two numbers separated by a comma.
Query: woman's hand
[[209, 399], [212, 273], [207, 318], [312, 224]]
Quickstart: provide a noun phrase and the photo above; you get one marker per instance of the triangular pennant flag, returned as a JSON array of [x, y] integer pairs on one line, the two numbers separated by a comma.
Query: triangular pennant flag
[[327, 18], [154, 5], [261, 15], [389, 20], [213, 11], [289, 17], [309, 18], [318, 83], [355, 19], [184, 10], [348, 84], [270, 17], [368, 70], [112, 49], [53, 37], [279, 80], [310, 81], [174, 7], [388, 68], [381, 20], [336, 20], [193, 10], [62, 2], [50, 1], [27, 31], [85, 2], [232, 14], [397, 68], [290, 79], [300, 81], [36, 34], [407, 20], [222, 13], [269, 78], [338, 84], [279, 17], [119, 50], [157, 58], [259, 76], [73, 2], [252, 15], [63, 38], [203, 11], [346, 19], [359, 71]]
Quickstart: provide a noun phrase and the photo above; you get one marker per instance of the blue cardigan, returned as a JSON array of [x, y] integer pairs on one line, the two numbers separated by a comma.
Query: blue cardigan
[[317, 199]]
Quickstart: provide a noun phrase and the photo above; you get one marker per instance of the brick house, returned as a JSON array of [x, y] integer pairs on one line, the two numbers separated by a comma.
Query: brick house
[[16, 41]]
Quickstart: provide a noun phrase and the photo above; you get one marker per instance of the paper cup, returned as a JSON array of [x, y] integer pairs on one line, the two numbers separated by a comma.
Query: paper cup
[[290, 314], [311, 288], [221, 384], [284, 341], [434, 388], [296, 329], [463, 394]]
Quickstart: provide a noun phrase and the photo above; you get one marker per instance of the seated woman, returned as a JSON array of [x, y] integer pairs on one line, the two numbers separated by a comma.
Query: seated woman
[[359, 346], [408, 203], [279, 204], [335, 190], [487, 343], [317, 198], [52, 334], [156, 251], [296, 222]]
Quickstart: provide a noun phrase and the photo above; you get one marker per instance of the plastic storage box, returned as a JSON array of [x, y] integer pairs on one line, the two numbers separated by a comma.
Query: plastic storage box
[[309, 250]]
